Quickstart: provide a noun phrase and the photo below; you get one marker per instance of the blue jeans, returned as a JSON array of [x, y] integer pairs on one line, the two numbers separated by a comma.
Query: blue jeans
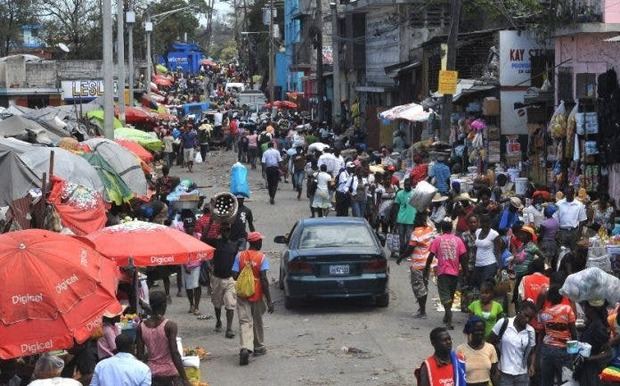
[[298, 179], [482, 274], [552, 360], [358, 208], [404, 233]]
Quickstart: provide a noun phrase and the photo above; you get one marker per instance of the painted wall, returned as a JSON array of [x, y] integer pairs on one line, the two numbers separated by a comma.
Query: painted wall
[[612, 11], [382, 46], [292, 35], [586, 53]]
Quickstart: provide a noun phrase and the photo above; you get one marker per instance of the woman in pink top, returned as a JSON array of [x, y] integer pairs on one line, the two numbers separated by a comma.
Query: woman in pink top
[[106, 345], [449, 250], [252, 148], [159, 336]]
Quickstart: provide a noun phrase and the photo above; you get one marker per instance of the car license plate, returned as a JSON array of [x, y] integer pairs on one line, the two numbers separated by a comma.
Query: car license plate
[[338, 269]]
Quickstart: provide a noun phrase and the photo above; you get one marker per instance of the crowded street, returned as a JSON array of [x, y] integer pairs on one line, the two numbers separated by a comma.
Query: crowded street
[[288, 193]]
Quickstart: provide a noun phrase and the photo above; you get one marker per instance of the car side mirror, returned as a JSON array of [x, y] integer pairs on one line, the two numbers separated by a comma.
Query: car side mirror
[[280, 240], [381, 239]]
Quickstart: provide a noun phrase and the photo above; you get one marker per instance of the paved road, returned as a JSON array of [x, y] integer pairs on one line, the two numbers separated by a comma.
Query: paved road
[[305, 345]]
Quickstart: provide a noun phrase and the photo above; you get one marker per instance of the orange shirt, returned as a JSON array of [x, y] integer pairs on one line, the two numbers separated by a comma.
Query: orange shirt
[[439, 375], [421, 239], [533, 285], [556, 320]]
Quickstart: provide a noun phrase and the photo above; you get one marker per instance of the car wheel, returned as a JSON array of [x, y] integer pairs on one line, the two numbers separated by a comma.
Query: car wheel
[[383, 300], [290, 303], [281, 280]]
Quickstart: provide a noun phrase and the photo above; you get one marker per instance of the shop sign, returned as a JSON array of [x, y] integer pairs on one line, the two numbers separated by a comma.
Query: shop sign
[[447, 82], [83, 89], [516, 48]]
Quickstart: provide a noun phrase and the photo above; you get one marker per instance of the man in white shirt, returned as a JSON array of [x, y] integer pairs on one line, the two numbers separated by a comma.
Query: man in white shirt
[[517, 340], [123, 369], [571, 215], [218, 118], [343, 190], [271, 164]]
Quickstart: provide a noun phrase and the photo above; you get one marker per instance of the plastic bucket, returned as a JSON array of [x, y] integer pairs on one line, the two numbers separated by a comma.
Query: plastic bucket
[[520, 186]]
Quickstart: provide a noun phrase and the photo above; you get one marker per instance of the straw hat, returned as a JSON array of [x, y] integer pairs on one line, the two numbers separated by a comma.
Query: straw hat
[[530, 230], [516, 202], [465, 197], [439, 198]]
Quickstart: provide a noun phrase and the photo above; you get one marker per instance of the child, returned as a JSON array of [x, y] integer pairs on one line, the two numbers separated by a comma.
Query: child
[[486, 308]]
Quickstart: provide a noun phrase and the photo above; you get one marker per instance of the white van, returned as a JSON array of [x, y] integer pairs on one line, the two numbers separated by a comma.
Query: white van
[[234, 88]]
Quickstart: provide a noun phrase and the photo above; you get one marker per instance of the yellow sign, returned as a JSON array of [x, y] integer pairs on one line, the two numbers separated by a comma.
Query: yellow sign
[[447, 82]]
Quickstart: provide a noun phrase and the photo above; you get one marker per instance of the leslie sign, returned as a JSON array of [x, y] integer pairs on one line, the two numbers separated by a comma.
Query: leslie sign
[[83, 89], [516, 48]]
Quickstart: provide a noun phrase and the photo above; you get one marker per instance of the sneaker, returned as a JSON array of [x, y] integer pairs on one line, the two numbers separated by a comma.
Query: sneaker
[[420, 315], [258, 351], [244, 357], [229, 334]]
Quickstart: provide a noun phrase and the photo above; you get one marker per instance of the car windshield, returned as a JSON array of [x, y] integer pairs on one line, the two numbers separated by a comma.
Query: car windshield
[[336, 235]]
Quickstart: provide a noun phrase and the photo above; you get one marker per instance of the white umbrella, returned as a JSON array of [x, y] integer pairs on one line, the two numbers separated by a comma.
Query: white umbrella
[[410, 112]]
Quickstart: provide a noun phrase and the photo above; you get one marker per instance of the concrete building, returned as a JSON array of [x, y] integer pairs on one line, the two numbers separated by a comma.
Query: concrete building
[[31, 82]]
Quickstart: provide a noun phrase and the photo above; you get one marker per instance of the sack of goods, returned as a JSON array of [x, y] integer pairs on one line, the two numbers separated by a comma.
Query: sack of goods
[[422, 196], [591, 284], [239, 180]]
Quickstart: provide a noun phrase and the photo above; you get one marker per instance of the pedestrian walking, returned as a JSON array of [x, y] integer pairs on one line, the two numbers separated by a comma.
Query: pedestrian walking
[[480, 357], [123, 368], [299, 164], [516, 339], [188, 143], [450, 251], [406, 214], [320, 199], [571, 215], [252, 148], [419, 249], [343, 188], [444, 367], [168, 153], [271, 163], [222, 282], [250, 310], [243, 221], [157, 344]]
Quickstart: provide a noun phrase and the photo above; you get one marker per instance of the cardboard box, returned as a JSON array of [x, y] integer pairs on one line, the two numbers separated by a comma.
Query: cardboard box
[[490, 107]]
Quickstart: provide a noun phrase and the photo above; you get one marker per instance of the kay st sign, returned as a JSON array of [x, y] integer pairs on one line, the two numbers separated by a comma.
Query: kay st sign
[[516, 49], [84, 90]]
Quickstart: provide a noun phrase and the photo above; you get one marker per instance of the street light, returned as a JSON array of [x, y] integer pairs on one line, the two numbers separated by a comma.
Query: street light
[[150, 22]]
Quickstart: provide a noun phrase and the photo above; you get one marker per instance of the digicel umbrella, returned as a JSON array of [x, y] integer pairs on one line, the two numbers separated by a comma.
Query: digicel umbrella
[[149, 244], [136, 149], [53, 291]]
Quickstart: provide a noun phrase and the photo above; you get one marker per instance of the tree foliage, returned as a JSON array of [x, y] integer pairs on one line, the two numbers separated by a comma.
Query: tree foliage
[[13, 15]]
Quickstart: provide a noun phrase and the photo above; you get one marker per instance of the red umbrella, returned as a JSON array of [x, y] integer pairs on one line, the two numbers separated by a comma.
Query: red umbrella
[[149, 244], [53, 291], [136, 149], [136, 115], [80, 209], [208, 62], [162, 81], [167, 117], [285, 105]]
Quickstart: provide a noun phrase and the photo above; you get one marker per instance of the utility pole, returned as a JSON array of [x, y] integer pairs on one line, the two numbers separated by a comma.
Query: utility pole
[[271, 58], [148, 28], [108, 70], [318, 25], [130, 18], [453, 35], [336, 65], [120, 58]]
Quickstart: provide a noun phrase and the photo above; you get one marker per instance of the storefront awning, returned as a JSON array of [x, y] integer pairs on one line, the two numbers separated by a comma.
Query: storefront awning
[[395, 70], [466, 87]]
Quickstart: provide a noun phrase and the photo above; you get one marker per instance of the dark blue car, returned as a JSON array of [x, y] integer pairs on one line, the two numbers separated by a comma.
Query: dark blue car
[[333, 257]]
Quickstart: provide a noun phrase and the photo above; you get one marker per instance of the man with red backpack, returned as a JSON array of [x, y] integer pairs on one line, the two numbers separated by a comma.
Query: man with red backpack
[[250, 310]]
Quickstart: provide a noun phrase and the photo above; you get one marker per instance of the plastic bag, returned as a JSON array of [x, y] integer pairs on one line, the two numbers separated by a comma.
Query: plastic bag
[[590, 284], [422, 196], [558, 123], [198, 158], [245, 282], [392, 240], [239, 180]]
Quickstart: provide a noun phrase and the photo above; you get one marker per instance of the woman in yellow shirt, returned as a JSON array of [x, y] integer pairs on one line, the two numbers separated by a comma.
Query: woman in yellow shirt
[[480, 356]]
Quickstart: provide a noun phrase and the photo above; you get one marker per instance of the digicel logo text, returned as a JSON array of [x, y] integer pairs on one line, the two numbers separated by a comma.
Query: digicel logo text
[[36, 347], [27, 298], [64, 285], [159, 260]]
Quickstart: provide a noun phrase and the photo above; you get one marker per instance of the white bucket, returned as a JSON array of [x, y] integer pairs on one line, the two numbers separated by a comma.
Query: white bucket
[[513, 173], [180, 345], [521, 186]]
